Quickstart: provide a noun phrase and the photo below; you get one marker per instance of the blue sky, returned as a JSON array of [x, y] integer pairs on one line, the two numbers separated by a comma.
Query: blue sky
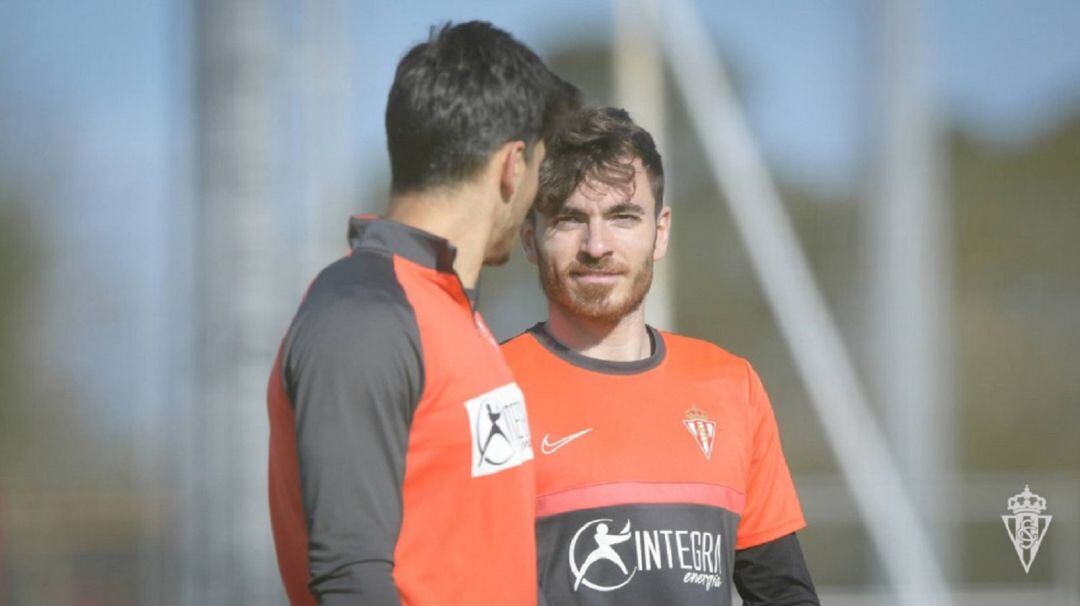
[[114, 74], [95, 102]]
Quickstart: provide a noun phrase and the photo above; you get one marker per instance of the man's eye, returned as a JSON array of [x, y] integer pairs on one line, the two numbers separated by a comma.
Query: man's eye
[[565, 219], [626, 219]]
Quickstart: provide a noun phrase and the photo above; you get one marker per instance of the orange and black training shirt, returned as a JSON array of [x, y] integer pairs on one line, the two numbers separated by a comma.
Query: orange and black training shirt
[[659, 481], [401, 468]]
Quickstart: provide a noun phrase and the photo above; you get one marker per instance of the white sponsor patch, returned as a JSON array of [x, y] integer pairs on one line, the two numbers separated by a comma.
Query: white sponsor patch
[[500, 430]]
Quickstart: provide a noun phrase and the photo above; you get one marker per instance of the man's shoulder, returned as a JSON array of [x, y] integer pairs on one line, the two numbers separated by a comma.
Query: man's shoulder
[[523, 351], [355, 301], [363, 278], [698, 352], [519, 346]]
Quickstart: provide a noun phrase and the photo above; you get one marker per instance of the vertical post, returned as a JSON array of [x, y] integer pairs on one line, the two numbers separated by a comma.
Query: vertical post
[[239, 316], [3, 545], [328, 158], [639, 87], [910, 261], [820, 355]]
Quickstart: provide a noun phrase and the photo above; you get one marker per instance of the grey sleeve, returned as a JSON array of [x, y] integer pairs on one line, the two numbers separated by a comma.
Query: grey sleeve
[[353, 370], [774, 574]]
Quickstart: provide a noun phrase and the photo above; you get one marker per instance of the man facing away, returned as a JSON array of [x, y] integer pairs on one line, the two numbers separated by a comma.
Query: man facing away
[[670, 439], [400, 458]]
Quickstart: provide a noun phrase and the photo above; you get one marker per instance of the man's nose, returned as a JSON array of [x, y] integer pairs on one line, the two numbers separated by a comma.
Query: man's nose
[[597, 240]]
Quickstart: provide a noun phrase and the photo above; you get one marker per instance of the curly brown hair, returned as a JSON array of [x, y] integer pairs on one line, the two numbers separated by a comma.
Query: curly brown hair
[[597, 147]]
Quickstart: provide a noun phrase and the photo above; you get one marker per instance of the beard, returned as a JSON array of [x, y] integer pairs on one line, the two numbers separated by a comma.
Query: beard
[[596, 302]]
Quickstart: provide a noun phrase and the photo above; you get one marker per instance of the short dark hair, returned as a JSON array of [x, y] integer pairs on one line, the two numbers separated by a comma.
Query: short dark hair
[[459, 96], [597, 145]]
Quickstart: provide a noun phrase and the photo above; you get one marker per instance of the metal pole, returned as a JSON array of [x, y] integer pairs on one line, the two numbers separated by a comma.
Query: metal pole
[[639, 87], [240, 317], [910, 261], [819, 353]]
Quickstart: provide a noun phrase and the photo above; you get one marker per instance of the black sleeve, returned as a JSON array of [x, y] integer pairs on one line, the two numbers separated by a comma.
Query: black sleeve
[[774, 574], [353, 370]]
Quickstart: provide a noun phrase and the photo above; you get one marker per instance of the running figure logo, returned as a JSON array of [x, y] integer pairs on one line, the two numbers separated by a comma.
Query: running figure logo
[[1026, 527], [493, 431], [604, 551]]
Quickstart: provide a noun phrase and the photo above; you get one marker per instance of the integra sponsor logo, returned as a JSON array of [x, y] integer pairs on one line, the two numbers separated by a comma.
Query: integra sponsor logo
[[604, 560]]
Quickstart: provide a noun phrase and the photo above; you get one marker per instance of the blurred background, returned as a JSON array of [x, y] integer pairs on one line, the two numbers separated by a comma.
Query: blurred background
[[868, 194]]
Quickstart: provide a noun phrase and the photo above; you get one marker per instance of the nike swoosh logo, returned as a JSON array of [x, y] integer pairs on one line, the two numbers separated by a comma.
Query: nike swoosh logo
[[550, 447]]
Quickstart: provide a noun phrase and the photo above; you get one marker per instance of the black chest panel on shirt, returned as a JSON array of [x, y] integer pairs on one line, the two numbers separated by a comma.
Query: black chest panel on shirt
[[637, 554]]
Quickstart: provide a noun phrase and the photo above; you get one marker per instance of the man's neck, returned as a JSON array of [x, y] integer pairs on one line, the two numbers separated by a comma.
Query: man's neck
[[457, 215], [625, 340]]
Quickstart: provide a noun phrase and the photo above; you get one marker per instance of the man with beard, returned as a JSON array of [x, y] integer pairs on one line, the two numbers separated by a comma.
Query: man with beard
[[387, 482], [670, 438]]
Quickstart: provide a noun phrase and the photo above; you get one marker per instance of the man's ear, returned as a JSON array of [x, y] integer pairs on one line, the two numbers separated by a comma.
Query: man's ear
[[663, 233], [512, 166], [528, 237]]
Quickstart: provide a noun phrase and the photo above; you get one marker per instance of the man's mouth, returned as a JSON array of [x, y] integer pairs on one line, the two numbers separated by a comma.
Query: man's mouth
[[595, 276]]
